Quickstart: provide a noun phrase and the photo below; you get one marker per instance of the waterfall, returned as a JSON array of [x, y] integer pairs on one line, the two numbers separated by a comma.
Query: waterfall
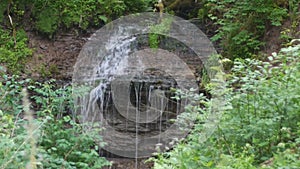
[[123, 86]]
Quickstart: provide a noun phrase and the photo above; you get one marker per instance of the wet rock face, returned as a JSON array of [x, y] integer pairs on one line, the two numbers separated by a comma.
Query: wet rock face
[[148, 80], [140, 89], [170, 44]]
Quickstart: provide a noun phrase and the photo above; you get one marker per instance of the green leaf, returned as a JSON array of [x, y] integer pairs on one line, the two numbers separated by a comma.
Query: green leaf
[[103, 18]]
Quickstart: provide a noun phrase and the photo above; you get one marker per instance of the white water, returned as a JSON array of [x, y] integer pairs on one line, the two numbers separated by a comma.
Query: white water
[[119, 70]]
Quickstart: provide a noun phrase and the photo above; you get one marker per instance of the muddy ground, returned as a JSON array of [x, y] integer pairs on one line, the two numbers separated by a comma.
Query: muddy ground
[[54, 58]]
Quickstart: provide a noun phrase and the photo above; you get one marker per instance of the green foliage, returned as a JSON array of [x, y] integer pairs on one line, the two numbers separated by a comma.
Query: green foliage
[[286, 157], [258, 124], [50, 16], [61, 141], [134, 6], [242, 24], [3, 6], [288, 33], [158, 30], [47, 71], [265, 105], [47, 21], [10, 89], [14, 54], [12, 133]]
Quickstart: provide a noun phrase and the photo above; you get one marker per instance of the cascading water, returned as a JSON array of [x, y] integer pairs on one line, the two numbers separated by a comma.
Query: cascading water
[[123, 85]]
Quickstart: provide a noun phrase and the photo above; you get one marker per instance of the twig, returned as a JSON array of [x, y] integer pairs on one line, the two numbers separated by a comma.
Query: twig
[[11, 23]]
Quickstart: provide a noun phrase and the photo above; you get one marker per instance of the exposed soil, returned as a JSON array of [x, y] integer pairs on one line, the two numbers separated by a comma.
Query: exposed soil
[[54, 58]]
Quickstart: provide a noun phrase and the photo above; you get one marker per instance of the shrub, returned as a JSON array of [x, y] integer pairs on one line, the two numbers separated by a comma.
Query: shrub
[[264, 103], [243, 23], [14, 54], [50, 16], [60, 141], [12, 132]]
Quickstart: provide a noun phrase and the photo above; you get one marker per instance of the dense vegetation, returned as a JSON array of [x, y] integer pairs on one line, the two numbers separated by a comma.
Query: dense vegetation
[[48, 138], [261, 123], [50, 16], [258, 129]]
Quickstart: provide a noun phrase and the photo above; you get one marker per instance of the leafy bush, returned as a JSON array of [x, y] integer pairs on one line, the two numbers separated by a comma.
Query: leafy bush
[[12, 53], [50, 16], [64, 142], [52, 139], [259, 126], [12, 132], [242, 24]]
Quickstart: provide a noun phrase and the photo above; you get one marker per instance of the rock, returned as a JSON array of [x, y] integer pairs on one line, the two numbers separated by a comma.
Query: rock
[[44, 47]]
